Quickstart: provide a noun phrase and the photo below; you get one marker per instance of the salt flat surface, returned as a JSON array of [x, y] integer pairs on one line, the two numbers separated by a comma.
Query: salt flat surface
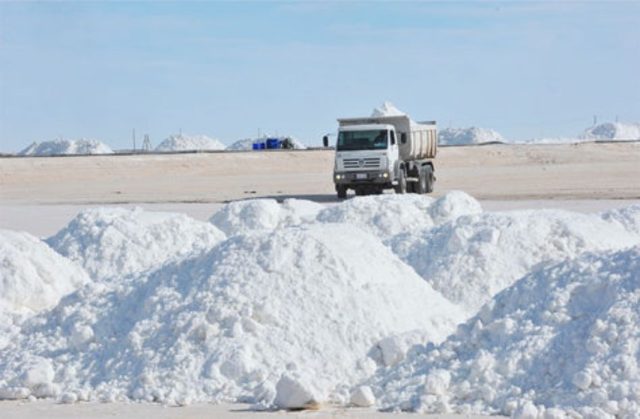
[[40, 409], [493, 172]]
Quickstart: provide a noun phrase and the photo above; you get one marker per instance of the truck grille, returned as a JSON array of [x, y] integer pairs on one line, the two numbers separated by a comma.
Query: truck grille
[[366, 163]]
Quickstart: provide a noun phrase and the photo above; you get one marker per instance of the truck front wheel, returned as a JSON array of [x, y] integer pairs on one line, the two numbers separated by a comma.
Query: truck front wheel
[[401, 187], [342, 191]]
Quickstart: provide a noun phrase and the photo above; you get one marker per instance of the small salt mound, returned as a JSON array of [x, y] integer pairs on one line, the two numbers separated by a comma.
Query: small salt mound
[[183, 142], [627, 217], [562, 340], [33, 278], [473, 257], [259, 316], [247, 144], [241, 217], [112, 242], [612, 131], [468, 136], [387, 109], [64, 147], [240, 145], [388, 215]]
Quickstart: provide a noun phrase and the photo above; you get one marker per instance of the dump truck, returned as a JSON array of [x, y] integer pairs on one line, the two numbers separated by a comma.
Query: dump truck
[[385, 152]]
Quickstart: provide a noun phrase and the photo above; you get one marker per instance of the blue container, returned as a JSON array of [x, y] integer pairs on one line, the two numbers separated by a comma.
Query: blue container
[[273, 143], [255, 146], [262, 146]]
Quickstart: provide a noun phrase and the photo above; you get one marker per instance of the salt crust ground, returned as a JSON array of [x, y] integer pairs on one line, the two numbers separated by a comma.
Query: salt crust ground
[[50, 410], [77, 322]]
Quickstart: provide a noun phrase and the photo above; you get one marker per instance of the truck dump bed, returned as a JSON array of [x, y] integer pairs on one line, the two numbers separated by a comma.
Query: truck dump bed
[[416, 141]]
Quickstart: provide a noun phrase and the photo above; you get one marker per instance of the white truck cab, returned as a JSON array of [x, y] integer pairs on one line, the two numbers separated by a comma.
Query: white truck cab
[[373, 154]]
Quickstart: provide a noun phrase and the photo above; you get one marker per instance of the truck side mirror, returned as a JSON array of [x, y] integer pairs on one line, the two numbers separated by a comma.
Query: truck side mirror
[[403, 138], [325, 141]]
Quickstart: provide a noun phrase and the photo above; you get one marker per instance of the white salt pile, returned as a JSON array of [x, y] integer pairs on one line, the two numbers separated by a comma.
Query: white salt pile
[[295, 304], [388, 215], [473, 257], [612, 131], [247, 144], [303, 305], [66, 147], [562, 342], [184, 142], [240, 217], [468, 136], [33, 278], [114, 242], [387, 109]]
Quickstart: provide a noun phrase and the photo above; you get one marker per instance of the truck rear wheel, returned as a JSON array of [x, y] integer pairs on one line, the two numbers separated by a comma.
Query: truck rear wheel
[[429, 179], [401, 187], [422, 182], [342, 191]]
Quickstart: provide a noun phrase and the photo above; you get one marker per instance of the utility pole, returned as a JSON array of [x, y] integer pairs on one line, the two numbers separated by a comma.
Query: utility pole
[[146, 146], [134, 139], [595, 120]]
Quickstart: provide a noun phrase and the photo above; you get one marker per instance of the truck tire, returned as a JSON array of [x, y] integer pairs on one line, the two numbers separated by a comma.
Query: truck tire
[[412, 187], [429, 179], [401, 187], [422, 182], [342, 191]]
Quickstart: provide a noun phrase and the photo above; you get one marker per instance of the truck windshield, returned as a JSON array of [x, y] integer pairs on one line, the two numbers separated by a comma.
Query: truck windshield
[[362, 140]]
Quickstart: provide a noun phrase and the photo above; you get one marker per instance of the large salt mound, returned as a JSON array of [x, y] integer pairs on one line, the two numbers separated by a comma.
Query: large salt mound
[[389, 215], [183, 142], [467, 136], [288, 315], [66, 147], [241, 217], [612, 131], [114, 242], [473, 257], [562, 340]]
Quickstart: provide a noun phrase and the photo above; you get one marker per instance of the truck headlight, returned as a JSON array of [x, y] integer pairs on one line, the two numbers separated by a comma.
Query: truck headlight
[[338, 177]]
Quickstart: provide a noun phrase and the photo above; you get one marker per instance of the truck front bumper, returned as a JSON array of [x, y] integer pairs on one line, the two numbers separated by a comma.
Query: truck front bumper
[[362, 178]]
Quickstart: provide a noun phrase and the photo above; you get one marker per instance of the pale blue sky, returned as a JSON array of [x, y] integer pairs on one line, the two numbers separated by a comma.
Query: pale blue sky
[[99, 69]]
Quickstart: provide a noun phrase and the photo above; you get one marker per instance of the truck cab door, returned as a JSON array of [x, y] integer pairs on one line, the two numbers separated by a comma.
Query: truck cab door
[[393, 153]]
